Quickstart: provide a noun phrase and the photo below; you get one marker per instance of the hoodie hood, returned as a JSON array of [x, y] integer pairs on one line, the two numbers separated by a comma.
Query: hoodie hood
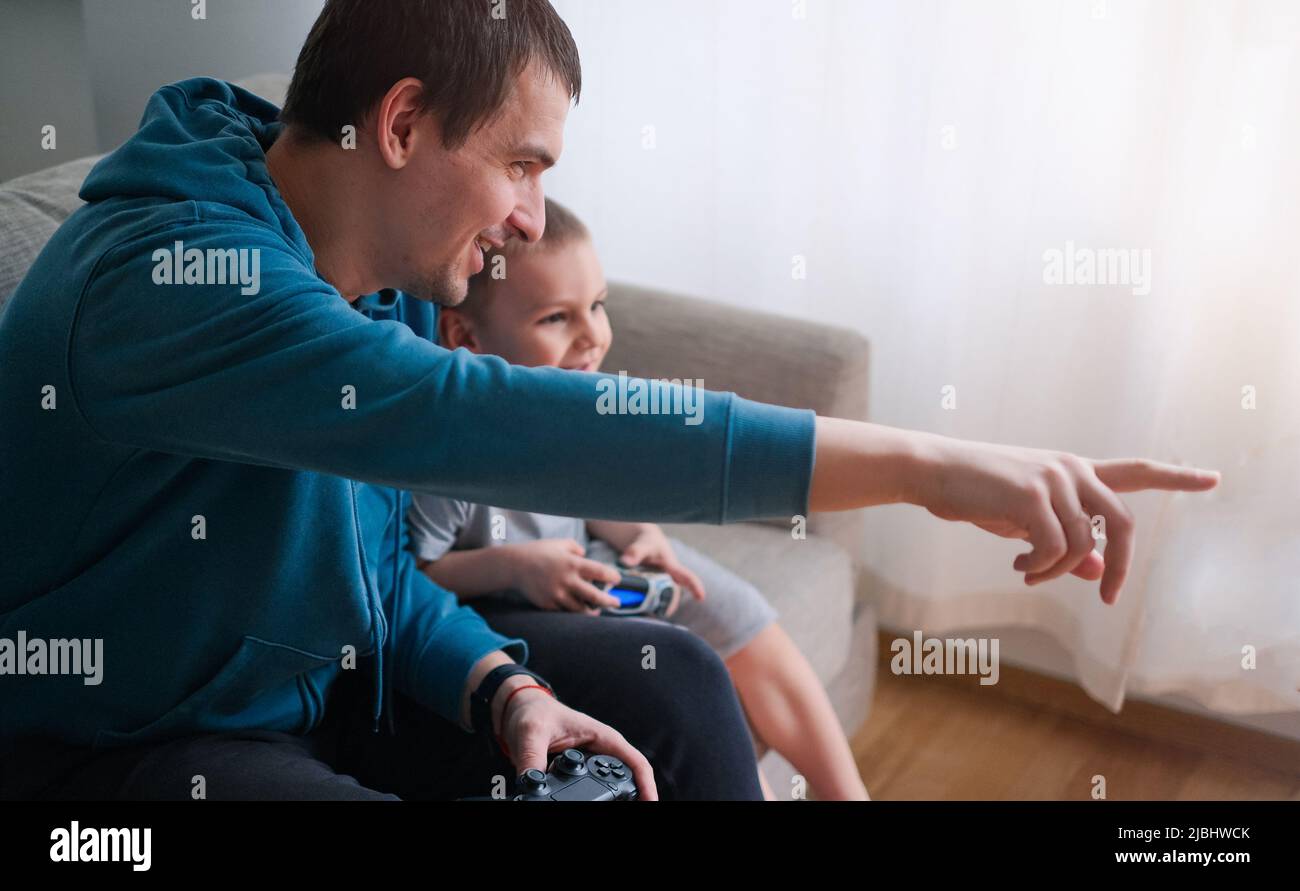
[[201, 140]]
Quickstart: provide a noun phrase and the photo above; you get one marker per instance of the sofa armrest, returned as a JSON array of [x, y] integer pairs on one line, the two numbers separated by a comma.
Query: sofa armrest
[[765, 357], [769, 358]]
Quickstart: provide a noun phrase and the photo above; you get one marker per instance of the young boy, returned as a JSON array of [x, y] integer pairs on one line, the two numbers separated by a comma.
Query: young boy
[[549, 309]]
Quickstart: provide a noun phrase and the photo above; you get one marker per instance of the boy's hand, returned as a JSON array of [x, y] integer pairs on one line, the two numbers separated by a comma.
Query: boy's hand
[[554, 574], [1049, 498], [652, 549]]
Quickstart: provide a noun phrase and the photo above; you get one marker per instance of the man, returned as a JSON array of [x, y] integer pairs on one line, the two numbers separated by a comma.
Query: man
[[210, 430]]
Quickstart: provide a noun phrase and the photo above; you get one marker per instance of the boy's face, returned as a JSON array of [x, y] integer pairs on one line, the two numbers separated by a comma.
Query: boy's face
[[549, 310]]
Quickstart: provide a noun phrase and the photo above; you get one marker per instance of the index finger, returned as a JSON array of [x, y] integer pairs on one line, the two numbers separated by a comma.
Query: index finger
[[687, 579], [590, 595], [1136, 474], [596, 571]]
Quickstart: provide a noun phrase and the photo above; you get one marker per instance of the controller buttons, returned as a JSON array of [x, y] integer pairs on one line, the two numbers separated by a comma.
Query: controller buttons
[[533, 780]]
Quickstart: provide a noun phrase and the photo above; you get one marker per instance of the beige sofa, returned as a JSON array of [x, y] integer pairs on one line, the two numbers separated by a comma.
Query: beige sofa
[[813, 582]]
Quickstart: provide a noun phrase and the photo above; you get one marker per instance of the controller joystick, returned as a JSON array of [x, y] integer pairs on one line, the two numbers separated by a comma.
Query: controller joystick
[[575, 776]]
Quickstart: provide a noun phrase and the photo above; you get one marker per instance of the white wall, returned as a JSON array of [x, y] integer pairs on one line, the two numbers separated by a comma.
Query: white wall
[[43, 80], [88, 66], [137, 46]]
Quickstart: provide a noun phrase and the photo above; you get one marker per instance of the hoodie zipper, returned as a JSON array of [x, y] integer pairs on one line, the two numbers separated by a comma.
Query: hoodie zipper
[[379, 630], [396, 522]]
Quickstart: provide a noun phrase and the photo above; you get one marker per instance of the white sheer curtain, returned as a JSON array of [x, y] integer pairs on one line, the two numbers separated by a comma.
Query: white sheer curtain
[[917, 160]]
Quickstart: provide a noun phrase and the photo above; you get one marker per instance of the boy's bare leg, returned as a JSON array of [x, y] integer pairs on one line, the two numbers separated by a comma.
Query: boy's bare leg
[[789, 711]]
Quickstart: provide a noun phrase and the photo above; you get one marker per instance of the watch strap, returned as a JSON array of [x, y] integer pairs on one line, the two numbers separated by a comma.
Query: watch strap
[[480, 701]]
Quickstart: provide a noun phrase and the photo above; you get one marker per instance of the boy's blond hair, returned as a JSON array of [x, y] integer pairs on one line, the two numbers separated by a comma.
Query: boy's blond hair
[[562, 227]]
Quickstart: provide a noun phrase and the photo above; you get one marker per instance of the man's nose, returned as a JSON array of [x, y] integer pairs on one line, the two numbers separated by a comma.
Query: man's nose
[[528, 220]]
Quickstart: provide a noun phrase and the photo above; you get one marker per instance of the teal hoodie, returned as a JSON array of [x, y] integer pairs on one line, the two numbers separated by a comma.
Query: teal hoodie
[[210, 476]]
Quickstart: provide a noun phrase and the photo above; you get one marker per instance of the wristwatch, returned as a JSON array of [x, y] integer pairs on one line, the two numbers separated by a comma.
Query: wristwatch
[[480, 701]]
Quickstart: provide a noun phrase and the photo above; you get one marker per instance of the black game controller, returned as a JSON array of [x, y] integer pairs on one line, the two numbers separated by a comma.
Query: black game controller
[[574, 776]]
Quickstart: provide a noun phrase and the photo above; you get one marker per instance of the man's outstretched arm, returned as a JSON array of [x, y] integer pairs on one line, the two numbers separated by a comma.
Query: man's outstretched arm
[[293, 377], [265, 378], [1048, 498]]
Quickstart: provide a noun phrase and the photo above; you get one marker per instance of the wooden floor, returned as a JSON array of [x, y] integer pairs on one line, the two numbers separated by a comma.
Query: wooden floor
[[931, 738]]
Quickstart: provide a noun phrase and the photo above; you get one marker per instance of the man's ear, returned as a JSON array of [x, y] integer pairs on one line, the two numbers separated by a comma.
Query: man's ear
[[455, 330], [398, 121]]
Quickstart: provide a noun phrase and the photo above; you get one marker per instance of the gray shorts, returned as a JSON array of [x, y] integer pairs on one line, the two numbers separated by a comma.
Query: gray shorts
[[732, 612]]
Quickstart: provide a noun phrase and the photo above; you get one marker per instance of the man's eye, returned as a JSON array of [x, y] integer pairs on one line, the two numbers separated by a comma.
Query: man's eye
[[553, 317], [599, 304], [520, 167]]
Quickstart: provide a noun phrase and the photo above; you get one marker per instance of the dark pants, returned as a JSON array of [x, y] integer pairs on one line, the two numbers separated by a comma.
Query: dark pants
[[682, 714]]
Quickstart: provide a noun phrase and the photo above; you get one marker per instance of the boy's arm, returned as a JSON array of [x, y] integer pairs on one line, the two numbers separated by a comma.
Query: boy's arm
[[552, 573], [476, 572], [616, 534]]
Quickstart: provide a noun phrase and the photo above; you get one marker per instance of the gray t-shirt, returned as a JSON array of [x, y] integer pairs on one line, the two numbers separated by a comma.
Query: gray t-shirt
[[732, 614], [439, 525]]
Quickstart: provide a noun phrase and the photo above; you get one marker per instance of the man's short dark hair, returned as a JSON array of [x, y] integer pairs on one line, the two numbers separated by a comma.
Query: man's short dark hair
[[468, 54]]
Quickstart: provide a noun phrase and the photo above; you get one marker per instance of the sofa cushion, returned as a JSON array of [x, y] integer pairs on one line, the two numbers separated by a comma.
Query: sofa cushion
[[31, 208], [810, 583]]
